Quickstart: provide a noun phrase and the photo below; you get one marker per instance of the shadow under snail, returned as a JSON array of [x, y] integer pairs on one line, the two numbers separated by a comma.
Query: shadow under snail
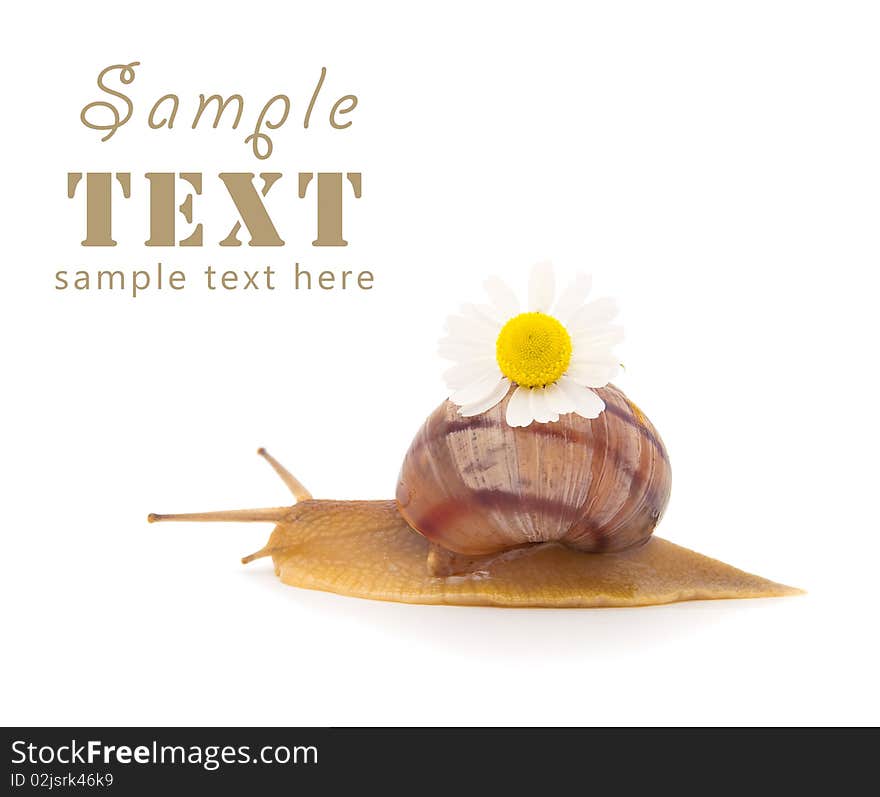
[[549, 515]]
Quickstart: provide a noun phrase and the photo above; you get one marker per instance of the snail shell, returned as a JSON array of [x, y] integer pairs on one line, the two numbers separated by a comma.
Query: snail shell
[[478, 486]]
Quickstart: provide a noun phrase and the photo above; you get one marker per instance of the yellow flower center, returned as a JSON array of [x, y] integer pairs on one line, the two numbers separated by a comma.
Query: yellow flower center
[[533, 349]]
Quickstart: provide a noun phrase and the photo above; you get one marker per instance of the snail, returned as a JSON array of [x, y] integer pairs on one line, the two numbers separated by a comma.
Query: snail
[[488, 514], [527, 492]]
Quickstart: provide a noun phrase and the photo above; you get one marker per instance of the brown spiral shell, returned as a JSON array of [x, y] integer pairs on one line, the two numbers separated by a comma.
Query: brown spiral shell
[[478, 486]]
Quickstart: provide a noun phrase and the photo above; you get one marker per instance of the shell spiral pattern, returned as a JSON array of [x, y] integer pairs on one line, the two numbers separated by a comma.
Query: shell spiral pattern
[[478, 486]]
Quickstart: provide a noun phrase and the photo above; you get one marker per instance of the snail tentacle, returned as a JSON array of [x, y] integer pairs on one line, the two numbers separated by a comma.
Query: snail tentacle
[[293, 484], [273, 514]]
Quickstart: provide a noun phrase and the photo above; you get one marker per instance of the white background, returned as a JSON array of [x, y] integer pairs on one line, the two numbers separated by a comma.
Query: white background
[[715, 166]]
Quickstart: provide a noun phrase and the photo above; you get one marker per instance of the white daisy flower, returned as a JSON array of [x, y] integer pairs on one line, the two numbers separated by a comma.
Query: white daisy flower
[[553, 353]]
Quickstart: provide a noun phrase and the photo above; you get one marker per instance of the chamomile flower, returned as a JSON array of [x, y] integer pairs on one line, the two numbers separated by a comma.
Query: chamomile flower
[[551, 354]]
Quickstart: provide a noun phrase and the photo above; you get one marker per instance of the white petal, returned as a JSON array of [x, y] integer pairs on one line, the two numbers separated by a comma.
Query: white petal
[[464, 373], [467, 328], [478, 389], [541, 411], [462, 350], [557, 401], [459, 354], [598, 355], [597, 313], [485, 314], [586, 403], [572, 297], [591, 374], [549, 408], [598, 337], [460, 340], [519, 408], [502, 297], [479, 407], [542, 287]]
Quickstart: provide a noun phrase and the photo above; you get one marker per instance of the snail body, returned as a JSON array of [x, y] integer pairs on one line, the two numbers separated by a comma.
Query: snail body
[[551, 515]]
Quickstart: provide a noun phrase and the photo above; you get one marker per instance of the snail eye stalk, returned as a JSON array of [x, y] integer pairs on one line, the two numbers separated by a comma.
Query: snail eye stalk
[[273, 514]]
